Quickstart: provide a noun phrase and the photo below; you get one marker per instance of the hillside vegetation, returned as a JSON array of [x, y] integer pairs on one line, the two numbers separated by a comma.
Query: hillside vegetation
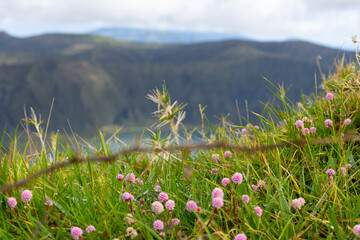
[[295, 175], [97, 81]]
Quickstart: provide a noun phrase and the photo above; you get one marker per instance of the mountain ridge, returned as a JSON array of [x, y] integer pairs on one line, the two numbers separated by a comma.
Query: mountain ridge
[[99, 81]]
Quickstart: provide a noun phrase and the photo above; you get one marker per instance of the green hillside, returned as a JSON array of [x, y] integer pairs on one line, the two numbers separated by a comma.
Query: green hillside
[[98, 81]]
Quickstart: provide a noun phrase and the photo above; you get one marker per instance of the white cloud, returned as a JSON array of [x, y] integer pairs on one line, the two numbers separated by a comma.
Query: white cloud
[[326, 21]]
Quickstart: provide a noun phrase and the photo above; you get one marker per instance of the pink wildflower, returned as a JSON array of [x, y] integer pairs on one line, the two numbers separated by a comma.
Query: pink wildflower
[[240, 236], [237, 178], [120, 177], [312, 130], [245, 198], [175, 221], [256, 127], [216, 157], [299, 124], [329, 96], [343, 171], [305, 131], [227, 154], [90, 229], [258, 211], [296, 204], [217, 192], [157, 188], [139, 181], [130, 178], [262, 184], [162, 234], [328, 123], [198, 209], [12, 202], [357, 230], [76, 232], [243, 131], [330, 172], [157, 207], [170, 205], [347, 121], [127, 197], [191, 205], [225, 181], [214, 171], [26, 196], [163, 197], [218, 202], [255, 188], [48, 203], [348, 166], [158, 225], [302, 201]]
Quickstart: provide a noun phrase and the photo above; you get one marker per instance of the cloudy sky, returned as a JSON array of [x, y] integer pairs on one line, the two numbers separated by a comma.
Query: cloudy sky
[[328, 22]]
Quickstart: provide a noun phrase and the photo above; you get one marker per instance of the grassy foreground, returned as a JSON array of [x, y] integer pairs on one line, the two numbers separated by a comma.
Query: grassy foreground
[[304, 190]]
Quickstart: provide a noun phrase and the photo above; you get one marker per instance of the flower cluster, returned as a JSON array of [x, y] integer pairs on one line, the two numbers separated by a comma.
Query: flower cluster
[[298, 203]]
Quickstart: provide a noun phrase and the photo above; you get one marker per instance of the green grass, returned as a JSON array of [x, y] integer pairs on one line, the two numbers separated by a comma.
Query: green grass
[[90, 193]]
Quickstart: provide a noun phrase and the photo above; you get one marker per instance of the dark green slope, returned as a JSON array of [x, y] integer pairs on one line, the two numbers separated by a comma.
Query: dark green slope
[[98, 81]]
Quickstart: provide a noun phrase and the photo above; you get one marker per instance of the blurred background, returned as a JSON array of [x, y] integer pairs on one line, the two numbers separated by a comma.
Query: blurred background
[[99, 59]]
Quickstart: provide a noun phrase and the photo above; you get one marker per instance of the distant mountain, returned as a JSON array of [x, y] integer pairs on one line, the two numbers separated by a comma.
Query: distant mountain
[[165, 36], [100, 81]]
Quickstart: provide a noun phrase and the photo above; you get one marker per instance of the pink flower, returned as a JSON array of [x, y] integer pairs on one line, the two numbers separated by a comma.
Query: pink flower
[[76, 232], [163, 197], [214, 171], [12, 202], [305, 131], [348, 166], [225, 181], [240, 236], [227, 154], [26, 196], [243, 131], [157, 188], [120, 177], [330, 172], [158, 225], [255, 188], [299, 124], [127, 197], [217, 192], [237, 178], [296, 204], [256, 127], [312, 129], [357, 230], [48, 203], [216, 157], [347, 121], [218, 202], [170, 205], [329, 96], [245, 198], [262, 184], [162, 234], [328, 123], [138, 180], [175, 221], [343, 171], [130, 178], [302, 201], [191, 205], [157, 207], [90, 229], [258, 211]]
